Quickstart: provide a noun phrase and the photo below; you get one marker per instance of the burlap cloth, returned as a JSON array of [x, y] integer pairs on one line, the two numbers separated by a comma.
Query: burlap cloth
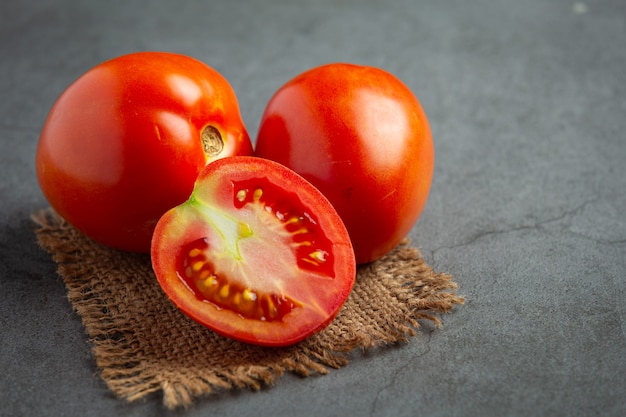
[[143, 344]]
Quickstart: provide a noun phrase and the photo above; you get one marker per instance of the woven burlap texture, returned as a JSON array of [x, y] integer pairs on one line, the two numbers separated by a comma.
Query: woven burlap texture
[[143, 344]]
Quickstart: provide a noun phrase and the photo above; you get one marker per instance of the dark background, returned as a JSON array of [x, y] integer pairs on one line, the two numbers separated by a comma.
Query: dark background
[[527, 104]]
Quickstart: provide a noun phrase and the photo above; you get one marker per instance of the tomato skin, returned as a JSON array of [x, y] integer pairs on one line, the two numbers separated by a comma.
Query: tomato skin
[[123, 143], [255, 243], [361, 137]]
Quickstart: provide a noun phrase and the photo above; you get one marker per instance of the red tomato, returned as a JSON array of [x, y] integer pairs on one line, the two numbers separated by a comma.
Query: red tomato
[[361, 137], [256, 253], [125, 142]]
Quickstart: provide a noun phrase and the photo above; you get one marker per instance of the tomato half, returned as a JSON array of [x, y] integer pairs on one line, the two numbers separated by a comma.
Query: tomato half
[[361, 137], [256, 253], [125, 142]]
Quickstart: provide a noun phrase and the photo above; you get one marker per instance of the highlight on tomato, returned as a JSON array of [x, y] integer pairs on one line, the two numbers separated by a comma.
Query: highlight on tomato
[[125, 142], [360, 136], [256, 253]]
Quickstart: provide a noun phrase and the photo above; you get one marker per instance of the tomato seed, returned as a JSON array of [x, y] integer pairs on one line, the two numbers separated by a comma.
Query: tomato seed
[[224, 291], [270, 307], [248, 295], [310, 261], [292, 220], [208, 285], [197, 266], [319, 255], [241, 195]]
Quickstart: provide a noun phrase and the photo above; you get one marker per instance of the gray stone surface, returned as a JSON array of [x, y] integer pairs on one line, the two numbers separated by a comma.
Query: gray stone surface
[[527, 103]]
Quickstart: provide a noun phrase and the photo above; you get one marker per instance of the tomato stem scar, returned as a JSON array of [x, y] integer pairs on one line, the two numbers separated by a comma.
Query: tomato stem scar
[[212, 141]]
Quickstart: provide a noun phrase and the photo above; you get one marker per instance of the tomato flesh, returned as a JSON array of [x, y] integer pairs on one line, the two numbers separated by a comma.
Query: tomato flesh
[[256, 254]]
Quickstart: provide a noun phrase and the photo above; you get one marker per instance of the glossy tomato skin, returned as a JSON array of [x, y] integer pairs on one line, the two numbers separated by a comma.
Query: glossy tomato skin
[[256, 254], [125, 142], [361, 137]]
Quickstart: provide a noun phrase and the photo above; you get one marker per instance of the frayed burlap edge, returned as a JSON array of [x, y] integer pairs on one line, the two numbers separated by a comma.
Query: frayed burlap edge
[[142, 344]]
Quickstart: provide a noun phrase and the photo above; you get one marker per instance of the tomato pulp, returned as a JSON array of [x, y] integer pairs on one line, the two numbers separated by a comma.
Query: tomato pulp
[[256, 254], [362, 138], [125, 142]]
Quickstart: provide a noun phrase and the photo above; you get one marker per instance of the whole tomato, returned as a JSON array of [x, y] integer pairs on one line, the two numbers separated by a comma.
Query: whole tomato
[[362, 138], [125, 142]]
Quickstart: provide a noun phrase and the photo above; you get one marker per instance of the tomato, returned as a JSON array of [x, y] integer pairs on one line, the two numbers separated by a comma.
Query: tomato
[[125, 142], [256, 254], [362, 138]]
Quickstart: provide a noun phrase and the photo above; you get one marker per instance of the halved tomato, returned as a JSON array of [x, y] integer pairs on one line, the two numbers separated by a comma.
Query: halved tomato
[[256, 254]]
